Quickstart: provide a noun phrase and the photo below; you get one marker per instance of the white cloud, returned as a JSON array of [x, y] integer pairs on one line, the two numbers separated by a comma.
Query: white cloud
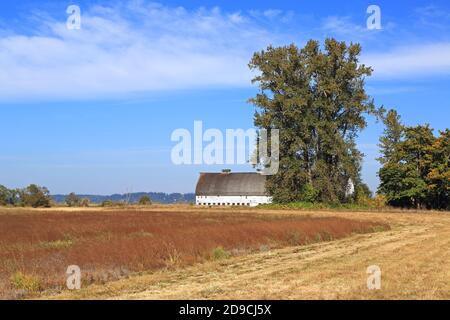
[[396, 62], [432, 16], [272, 13], [342, 26], [142, 47], [130, 48], [406, 62]]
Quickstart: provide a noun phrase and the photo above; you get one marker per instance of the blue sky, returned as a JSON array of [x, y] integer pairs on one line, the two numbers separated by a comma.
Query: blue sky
[[92, 110]]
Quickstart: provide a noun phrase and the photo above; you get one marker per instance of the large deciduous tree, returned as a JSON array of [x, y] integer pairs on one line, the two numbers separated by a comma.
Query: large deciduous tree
[[316, 98]]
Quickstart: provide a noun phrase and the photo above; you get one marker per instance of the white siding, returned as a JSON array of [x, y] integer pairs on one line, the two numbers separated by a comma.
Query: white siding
[[251, 201]]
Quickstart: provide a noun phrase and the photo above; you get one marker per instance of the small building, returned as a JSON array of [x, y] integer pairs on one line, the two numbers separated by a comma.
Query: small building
[[231, 189]]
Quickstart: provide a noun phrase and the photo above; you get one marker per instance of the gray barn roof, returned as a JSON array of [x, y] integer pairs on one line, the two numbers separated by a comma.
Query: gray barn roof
[[231, 184]]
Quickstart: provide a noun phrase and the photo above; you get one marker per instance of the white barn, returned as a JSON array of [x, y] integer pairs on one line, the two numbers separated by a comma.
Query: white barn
[[231, 189]]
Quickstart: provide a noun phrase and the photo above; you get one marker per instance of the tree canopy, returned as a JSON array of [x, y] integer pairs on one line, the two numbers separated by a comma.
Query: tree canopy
[[35, 196], [317, 99], [415, 168], [72, 200]]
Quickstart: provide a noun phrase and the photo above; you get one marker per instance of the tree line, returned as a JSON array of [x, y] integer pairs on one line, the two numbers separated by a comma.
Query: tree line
[[316, 97], [36, 196], [415, 170], [32, 196]]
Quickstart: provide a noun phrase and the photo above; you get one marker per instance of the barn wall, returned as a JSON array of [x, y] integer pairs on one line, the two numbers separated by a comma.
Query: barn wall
[[251, 201]]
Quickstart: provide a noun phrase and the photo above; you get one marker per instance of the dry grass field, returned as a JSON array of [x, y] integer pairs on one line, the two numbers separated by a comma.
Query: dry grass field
[[174, 252], [36, 247]]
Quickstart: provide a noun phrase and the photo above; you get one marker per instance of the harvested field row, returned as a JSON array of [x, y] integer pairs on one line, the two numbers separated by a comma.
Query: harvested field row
[[36, 249]]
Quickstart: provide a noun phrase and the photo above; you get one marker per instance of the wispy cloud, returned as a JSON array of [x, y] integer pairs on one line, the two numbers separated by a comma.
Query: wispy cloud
[[130, 48], [345, 28], [434, 17], [138, 46], [399, 61], [404, 62], [342, 26]]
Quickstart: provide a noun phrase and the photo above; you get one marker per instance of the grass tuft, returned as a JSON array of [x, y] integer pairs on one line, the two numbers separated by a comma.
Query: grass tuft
[[58, 244], [220, 253], [20, 281]]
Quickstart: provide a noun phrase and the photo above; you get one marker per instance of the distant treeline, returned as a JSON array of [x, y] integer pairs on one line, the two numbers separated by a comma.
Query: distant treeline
[[31, 196], [158, 197], [37, 196]]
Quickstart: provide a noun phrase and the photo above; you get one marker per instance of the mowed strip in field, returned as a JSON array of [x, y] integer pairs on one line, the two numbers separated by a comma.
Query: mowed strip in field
[[37, 246]]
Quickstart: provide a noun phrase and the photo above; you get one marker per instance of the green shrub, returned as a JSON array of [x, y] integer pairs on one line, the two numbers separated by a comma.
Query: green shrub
[[378, 202], [379, 228], [110, 203], [107, 203], [309, 193], [145, 201], [72, 200], [220, 253]]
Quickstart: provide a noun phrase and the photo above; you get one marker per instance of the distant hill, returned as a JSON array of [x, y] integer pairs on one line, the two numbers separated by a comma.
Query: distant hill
[[159, 197]]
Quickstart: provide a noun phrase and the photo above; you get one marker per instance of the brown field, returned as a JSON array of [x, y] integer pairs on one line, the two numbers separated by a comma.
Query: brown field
[[37, 246], [271, 254]]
